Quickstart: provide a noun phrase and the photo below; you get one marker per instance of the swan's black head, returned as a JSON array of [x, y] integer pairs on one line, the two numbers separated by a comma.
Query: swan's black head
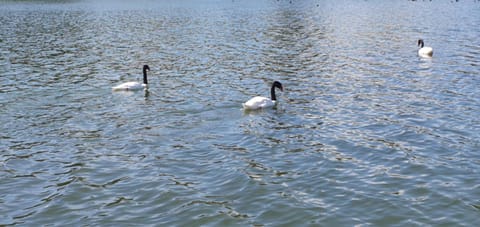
[[420, 43], [146, 68], [278, 85]]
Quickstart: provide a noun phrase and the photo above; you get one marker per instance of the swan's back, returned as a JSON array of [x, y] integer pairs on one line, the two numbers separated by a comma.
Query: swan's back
[[258, 103], [129, 86], [425, 52]]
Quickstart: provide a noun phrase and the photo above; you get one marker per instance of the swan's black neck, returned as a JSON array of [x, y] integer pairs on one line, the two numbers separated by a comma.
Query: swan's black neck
[[145, 81], [145, 69], [272, 93], [278, 85]]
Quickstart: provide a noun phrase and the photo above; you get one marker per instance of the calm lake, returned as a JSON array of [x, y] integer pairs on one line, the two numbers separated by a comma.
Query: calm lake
[[365, 133]]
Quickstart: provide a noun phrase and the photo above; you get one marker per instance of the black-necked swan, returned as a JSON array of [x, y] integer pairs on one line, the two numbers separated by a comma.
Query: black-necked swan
[[133, 86], [424, 51], [260, 102]]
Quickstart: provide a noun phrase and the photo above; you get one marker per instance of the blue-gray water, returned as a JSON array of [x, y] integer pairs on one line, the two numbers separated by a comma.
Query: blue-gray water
[[366, 132]]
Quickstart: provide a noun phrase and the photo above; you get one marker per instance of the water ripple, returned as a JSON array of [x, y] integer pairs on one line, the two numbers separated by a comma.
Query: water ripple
[[365, 133]]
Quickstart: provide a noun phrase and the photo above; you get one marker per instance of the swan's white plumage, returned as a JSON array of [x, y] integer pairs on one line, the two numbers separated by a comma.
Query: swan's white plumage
[[130, 86], [258, 103], [426, 52]]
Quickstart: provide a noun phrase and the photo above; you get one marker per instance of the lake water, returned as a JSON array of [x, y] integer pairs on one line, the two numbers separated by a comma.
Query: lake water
[[365, 133]]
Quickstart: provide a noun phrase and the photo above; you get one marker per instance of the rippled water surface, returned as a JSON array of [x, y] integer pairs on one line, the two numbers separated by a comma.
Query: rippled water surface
[[365, 133]]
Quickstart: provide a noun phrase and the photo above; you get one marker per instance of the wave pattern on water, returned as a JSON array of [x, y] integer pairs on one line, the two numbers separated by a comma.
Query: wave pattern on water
[[365, 131]]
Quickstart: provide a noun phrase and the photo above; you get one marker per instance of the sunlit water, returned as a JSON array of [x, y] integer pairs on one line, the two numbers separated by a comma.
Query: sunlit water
[[365, 132]]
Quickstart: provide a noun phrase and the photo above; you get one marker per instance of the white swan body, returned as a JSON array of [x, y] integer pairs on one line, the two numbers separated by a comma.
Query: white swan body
[[426, 52], [130, 86], [260, 102], [134, 86]]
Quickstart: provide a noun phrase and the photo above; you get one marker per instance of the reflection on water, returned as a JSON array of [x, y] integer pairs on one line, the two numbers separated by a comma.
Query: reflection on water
[[366, 132]]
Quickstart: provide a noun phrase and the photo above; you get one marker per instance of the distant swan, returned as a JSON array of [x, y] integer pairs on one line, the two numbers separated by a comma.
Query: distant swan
[[263, 102], [424, 51], [133, 86]]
